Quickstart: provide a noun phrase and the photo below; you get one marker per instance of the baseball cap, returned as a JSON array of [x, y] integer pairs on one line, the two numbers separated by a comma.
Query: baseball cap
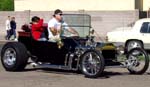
[[57, 11]]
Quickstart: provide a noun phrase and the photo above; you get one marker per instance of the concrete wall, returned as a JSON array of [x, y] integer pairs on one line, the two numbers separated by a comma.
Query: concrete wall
[[102, 21], [21, 18], [74, 5], [105, 21]]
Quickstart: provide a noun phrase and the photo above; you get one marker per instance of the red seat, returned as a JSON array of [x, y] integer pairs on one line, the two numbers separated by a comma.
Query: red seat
[[27, 31], [24, 34]]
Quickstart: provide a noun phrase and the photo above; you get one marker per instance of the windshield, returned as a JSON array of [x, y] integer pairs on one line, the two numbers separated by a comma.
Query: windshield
[[80, 22]]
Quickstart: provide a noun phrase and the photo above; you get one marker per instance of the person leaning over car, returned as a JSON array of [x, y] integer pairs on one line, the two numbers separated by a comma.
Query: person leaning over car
[[37, 29], [55, 24]]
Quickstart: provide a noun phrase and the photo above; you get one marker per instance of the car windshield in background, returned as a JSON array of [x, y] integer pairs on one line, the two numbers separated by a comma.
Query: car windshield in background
[[80, 22]]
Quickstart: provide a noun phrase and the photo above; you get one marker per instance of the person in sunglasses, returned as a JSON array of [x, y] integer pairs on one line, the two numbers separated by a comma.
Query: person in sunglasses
[[55, 28]]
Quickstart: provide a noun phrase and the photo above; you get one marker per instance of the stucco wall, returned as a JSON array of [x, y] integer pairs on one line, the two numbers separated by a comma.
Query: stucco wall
[[74, 5], [146, 5]]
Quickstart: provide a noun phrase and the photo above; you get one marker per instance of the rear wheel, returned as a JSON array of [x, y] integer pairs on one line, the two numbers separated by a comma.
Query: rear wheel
[[137, 61], [92, 64], [14, 56]]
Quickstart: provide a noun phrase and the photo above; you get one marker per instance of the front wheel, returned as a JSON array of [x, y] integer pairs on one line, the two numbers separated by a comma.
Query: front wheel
[[92, 64], [137, 61]]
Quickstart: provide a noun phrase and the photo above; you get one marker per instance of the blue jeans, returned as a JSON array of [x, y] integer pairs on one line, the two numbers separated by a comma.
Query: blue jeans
[[14, 32], [11, 32], [7, 35]]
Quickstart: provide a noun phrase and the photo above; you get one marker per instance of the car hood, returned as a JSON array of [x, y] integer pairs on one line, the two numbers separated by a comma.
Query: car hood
[[120, 31]]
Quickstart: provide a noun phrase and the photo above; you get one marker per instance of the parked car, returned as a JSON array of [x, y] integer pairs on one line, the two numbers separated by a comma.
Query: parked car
[[134, 36], [79, 53]]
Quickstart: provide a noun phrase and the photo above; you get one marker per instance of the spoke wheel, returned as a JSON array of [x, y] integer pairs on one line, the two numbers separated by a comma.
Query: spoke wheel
[[92, 64], [137, 61]]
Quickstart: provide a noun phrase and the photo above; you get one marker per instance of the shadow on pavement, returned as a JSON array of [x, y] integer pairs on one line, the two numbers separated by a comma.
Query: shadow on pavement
[[105, 74]]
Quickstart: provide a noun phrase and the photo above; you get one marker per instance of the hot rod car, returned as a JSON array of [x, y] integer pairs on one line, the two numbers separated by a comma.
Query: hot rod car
[[81, 52]]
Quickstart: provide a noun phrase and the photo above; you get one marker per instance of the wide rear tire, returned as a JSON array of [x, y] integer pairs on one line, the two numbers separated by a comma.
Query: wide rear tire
[[14, 56]]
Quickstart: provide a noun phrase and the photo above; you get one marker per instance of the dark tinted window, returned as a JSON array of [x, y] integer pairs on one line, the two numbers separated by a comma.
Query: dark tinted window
[[145, 27], [149, 28]]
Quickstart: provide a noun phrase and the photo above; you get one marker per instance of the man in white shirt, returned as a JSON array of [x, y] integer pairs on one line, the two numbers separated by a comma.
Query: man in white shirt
[[55, 26], [8, 28]]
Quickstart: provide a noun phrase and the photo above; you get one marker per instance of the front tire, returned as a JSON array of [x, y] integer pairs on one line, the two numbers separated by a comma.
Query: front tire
[[14, 56], [92, 64], [137, 61]]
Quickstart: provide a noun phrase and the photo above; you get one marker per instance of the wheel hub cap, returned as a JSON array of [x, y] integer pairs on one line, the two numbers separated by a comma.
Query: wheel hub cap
[[9, 57]]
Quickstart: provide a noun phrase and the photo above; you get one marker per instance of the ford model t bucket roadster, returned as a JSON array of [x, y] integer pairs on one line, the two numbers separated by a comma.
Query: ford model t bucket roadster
[[79, 53]]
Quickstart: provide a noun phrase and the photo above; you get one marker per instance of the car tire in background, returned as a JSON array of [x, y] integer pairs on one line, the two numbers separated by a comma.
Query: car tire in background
[[133, 44], [92, 64], [14, 56]]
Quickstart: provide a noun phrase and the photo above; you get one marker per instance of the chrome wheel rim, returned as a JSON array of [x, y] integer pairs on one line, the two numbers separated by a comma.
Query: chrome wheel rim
[[136, 61], [9, 58], [91, 63]]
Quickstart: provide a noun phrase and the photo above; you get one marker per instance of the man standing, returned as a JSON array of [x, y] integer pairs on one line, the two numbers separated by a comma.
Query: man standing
[[8, 27], [13, 28]]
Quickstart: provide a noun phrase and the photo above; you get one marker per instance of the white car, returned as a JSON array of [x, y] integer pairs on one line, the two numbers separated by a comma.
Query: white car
[[130, 37]]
